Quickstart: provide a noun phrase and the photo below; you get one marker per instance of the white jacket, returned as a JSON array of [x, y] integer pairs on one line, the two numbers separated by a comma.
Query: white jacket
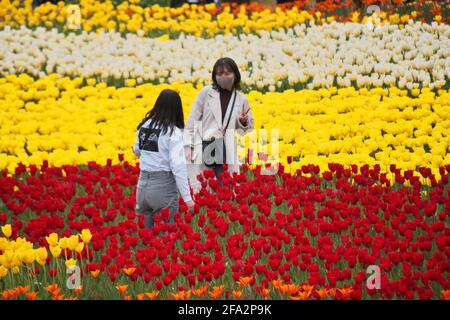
[[164, 152], [205, 122]]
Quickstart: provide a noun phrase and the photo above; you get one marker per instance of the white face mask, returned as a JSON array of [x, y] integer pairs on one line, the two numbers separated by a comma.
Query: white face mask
[[225, 82]]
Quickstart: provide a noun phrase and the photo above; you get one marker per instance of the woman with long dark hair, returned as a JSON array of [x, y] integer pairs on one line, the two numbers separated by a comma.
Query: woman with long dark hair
[[159, 145], [219, 111]]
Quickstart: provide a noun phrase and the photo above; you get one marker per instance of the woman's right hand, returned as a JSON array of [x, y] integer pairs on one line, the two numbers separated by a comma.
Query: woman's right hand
[[188, 153]]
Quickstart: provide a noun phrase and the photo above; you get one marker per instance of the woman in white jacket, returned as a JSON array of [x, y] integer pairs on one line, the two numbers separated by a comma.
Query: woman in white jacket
[[218, 113]]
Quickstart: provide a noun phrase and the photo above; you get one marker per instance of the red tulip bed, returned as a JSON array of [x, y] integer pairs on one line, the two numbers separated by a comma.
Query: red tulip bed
[[294, 235]]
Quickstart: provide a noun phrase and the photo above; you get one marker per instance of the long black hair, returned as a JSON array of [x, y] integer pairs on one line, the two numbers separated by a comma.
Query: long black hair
[[228, 64], [167, 112]]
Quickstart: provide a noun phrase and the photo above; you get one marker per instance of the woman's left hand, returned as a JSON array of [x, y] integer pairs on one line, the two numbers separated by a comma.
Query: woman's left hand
[[190, 205]]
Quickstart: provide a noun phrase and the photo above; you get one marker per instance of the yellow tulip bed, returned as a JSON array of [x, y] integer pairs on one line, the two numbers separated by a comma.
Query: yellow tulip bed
[[153, 21], [65, 122], [198, 20]]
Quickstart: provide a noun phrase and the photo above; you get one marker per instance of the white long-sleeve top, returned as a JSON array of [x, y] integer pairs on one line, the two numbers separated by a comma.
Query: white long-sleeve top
[[163, 152]]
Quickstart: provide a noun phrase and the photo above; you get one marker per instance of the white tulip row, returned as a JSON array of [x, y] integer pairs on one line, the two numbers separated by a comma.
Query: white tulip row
[[341, 54]]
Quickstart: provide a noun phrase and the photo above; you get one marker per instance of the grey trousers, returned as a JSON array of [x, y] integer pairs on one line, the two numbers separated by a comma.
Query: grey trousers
[[156, 190]]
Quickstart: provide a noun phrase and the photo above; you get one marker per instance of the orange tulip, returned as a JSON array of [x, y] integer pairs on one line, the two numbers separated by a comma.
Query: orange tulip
[[282, 289], [237, 294], [56, 292], [95, 273], [58, 297], [307, 288], [300, 296], [127, 298], [265, 292], [23, 290], [14, 293], [306, 294], [277, 283], [181, 295], [5, 295], [244, 281], [122, 288], [345, 291], [51, 287], [323, 293], [31, 296], [140, 296], [217, 292], [78, 290], [152, 295], [446, 294], [129, 271], [200, 291], [332, 292], [290, 289]]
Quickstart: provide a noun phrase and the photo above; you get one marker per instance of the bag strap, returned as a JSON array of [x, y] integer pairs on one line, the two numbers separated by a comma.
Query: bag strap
[[231, 111]]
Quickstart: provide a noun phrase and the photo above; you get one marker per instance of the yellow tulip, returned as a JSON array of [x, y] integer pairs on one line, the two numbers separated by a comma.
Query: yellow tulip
[[3, 271], [79, 248], [63, 243], [7, 230], [70, 263], [41, 255], [4, 243], [16, 261], [55, 251], [72, 242], [27, 256], [86, 236], [52, 239]]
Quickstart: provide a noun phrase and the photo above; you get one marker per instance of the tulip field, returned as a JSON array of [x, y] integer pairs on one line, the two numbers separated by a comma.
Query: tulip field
[[361, 111]]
